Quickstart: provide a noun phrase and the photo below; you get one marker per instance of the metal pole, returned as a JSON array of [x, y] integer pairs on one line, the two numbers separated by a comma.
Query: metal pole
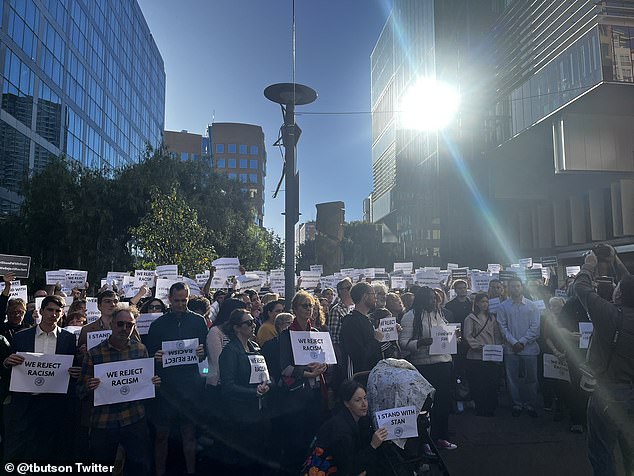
[[291, 196]]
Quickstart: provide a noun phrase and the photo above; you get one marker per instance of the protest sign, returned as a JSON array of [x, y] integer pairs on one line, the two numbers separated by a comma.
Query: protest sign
[[534, 274], [387, 326], [493, 268], [18, 265], [451, 266], [507, 275], [76, 279], [97, 337], [17, 292], [263, 275], [162, 290], [459, 273], [179, 352], [549, 261], [480, 281], [405, 268], [555, 368], [117, 276], [572, 270], [41, 373], [399, 422], [318, 268], [429, 278], [526, 262], [310, 279], [309, 347], [124, 381], [38, 303], [259, 370], [492, 353], [585, 329], [226, 267], [249, 281], [561, 293], [201, 279], [145, 320], [398, 282], [76, 330], [444, 340], [143, 276], [55, 277], [169, 271]]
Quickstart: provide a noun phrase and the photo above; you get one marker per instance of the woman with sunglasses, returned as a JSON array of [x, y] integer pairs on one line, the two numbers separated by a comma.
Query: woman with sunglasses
[[304, 391], [243, 386], [153, 305]]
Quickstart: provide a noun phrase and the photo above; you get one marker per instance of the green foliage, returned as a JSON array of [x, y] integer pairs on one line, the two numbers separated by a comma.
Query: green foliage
[[172, 234], [78, 218]]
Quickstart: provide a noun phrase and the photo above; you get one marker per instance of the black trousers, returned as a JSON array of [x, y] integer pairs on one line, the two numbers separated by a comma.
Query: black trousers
[[439, 375], [135, 440], [484, 379]]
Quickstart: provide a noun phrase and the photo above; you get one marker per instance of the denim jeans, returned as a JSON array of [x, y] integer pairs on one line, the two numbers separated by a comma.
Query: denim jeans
[[523, 392], [611, 422]]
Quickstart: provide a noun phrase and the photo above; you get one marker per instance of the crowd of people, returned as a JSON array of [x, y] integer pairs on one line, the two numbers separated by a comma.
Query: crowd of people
[[298, 414]]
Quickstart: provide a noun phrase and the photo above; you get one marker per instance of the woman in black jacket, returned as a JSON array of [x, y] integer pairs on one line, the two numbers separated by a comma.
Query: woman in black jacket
[[346, 440], [244, 384]]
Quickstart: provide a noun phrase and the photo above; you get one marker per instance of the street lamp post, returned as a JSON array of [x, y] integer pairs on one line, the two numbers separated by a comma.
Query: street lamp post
[[289, 95]]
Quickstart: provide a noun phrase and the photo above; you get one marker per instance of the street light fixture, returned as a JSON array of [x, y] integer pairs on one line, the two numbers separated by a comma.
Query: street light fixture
[[289, 95]]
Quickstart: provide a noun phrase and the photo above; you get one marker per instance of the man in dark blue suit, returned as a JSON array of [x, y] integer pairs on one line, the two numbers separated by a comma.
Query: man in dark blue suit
[[36, 425]]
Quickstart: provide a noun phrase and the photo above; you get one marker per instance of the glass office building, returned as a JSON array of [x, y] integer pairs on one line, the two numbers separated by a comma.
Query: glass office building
[[83, 78]]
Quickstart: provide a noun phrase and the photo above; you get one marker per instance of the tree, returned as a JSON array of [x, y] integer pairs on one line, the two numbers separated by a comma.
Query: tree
[[172, 234]]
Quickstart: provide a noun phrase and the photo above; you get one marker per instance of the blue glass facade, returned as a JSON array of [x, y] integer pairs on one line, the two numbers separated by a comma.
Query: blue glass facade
[[82, 78]]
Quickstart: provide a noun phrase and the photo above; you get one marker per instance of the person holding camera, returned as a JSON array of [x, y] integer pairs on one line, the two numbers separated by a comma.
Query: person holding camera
[[609, 369]]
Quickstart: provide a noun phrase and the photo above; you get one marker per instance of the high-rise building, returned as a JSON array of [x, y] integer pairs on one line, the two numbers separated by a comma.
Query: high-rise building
[[235, 150], [83, 79], [538, 160], [238, 151]]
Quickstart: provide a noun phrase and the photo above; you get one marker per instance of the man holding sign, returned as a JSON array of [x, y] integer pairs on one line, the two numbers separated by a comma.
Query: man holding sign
[[35, 423], [181, 385], [120, 423]]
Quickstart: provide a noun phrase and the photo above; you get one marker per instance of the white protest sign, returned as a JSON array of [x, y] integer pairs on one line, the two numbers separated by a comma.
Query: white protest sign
[[179, 352], [19, 292], [249, 281], [218, 282], [41, 373], [310, 279], [494, 268], [124, 381], [259, 370], [226, 267], [142, 276], [492, 353], [444, 340], [97, 337], [406, 268], [38, 303], [539, 304], [309, 347], [451, 266], [585, 329], [387, 326], [399, 422], [169, 271], [55, 277], [561, 293], [201, 279], [76, 279], [92, 316], [260, 274], [428, 278], [572, 270], [555, 368], [162, 290], [398, 282], [117, 276], [480, 281], [317, 267], [74, 330], [526, 262], [144, 322]]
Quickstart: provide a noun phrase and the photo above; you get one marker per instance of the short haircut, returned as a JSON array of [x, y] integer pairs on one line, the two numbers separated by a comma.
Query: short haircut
[[178, 287], [515, 278], [379, 287], [359, 290], [283, 319], [459, 281], [106, 294], [199, 305], [132, 309], [17, 302], [219, 293], [55, 299], [342, 283]]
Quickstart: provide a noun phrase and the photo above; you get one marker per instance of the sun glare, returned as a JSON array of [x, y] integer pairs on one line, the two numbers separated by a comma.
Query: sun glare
[[428, 105]]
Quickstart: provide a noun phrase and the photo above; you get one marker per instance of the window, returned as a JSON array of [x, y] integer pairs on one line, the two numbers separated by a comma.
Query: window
[[184, 156], [232, 163], [220, 148], [243, 163], [222, 163], [243, 149], [254, 150], [243, 178], [231, 148], [253, 164], [253, 178], [231, 176]]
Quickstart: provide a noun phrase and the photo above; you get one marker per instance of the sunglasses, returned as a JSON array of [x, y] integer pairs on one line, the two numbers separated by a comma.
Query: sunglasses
[[127, 325], [250, 323]]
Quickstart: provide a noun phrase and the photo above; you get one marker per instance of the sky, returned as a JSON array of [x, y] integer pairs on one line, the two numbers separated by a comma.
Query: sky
[[219, 56]]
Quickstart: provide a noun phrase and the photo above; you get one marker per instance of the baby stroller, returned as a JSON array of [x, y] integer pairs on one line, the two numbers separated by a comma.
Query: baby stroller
[[395, 383]]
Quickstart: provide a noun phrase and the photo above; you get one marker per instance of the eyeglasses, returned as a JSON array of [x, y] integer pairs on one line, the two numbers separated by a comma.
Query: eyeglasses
[[127, 325], [250, 323], [155, 306], [306, 306]]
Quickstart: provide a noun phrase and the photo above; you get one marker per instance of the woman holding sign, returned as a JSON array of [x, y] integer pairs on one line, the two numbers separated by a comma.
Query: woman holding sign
[[244, 381], [483, 369], [346, 441], [419, 323]]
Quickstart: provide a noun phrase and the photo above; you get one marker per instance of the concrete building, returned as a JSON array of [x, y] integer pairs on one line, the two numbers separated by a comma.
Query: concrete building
[[83, 79], [538, 160], [184, 145]]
